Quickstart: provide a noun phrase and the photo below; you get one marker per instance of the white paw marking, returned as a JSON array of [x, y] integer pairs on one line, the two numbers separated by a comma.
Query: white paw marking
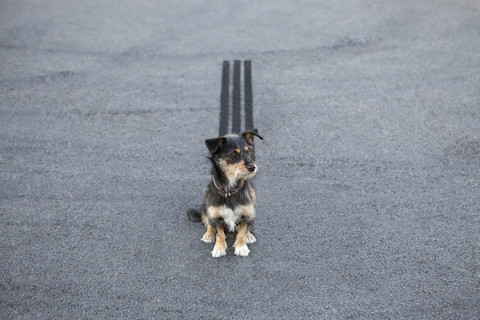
[[242, 251], [218, 253], [207, 238], [250, 238]]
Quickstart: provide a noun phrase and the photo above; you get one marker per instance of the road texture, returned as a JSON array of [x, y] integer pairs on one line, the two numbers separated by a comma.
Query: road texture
[[368, 185]]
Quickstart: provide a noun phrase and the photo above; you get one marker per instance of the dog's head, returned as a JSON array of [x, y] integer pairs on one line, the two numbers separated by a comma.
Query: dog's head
[[233, 154]]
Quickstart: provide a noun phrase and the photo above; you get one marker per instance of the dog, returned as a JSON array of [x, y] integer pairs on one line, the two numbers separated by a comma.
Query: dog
[[229, 200]]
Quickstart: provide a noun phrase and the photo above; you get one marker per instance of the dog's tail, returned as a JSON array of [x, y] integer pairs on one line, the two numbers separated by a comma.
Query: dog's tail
[[194, 215]]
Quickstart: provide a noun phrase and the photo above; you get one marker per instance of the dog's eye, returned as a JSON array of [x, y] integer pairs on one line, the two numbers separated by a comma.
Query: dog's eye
[[249, 151], [234, 155]]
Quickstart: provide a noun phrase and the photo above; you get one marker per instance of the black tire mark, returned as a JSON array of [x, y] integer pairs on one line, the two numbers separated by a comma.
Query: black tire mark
[[236, 98], [235, 107], [224, 109], [248, 95]]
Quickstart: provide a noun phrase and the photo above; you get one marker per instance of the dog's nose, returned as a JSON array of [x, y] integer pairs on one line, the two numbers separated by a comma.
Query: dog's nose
[[251, 167]]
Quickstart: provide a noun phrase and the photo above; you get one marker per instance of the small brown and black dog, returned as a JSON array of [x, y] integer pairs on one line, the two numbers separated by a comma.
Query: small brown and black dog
[[229, 200]]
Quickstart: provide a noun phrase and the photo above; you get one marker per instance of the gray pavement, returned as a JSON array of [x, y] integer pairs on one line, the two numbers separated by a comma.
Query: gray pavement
[[368, 186]]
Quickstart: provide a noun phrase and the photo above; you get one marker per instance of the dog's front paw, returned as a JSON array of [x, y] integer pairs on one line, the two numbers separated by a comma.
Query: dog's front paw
[[242, 251], [250, 238], [208, 237], [218, 253]]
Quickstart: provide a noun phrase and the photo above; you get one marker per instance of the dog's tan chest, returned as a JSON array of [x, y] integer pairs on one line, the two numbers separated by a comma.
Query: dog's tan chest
[[231, 217]]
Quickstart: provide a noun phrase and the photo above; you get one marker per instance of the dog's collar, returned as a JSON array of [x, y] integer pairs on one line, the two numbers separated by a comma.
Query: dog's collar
[[231, 192]]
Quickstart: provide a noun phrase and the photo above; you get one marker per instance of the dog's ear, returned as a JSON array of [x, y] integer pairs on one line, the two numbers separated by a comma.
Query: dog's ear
[[249, 135], [214, 144]]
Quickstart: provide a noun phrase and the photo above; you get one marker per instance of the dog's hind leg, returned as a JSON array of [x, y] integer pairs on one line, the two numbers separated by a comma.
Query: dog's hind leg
[[250, 238], [209, 235]]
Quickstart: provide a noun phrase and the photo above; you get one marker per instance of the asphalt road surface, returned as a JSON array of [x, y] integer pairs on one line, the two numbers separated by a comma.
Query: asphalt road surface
[[369, 175]]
